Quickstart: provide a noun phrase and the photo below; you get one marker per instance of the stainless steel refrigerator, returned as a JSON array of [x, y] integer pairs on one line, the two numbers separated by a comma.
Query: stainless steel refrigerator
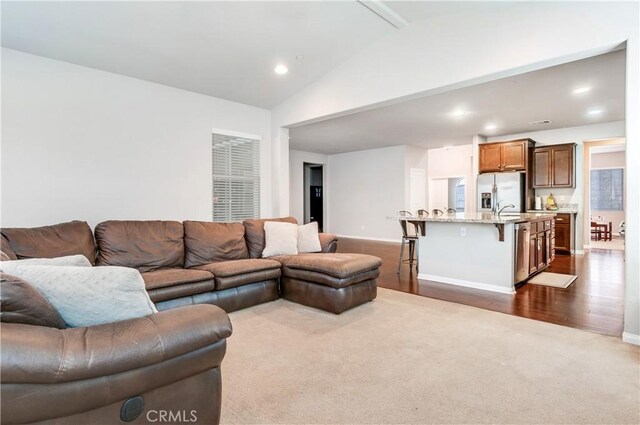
[[502, 188]]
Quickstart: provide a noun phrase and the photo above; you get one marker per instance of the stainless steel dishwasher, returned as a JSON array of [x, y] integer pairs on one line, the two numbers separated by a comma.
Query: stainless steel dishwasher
[[523, 231]]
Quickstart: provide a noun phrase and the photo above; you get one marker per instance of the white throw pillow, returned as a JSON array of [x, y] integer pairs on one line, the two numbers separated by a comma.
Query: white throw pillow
[[69, 260], [308, 239], [87, 296], [280, 239]]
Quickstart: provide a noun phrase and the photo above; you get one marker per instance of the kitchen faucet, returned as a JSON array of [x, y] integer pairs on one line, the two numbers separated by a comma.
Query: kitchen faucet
[[505, 207]]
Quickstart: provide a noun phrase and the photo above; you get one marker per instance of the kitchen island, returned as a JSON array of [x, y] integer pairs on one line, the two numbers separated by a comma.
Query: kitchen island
[[476, 250]]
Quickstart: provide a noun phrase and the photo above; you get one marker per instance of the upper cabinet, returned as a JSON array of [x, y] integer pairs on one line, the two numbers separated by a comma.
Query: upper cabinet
[[553, 166], [504, 156]]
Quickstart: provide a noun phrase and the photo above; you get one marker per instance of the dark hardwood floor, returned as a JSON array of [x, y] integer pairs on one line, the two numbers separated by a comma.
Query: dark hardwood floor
[[594, 302]]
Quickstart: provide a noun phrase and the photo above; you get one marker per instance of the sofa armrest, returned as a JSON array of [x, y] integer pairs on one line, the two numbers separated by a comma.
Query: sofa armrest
[[40, 355], [328, 242]]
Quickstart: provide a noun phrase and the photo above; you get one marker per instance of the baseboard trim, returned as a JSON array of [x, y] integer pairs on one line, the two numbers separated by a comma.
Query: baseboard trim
[[631, 338], [370, 239], [467, 283], [577, 251]]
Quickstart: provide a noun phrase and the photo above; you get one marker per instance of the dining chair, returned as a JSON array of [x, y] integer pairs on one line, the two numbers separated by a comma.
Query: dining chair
[[409, 236], [437, 212], [608, 232], [596, 233]]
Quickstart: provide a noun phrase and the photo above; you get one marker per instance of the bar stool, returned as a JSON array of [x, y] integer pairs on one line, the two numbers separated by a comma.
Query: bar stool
[[409, 236]]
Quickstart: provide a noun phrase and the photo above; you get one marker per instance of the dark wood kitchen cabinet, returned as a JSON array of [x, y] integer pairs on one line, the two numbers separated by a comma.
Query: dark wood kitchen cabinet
[[504, 156], [554, 166], [541, 245], [563, 232]]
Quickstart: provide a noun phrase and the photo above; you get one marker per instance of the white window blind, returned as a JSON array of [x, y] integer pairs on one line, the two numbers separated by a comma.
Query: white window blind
[[236, 178], [607, 189]]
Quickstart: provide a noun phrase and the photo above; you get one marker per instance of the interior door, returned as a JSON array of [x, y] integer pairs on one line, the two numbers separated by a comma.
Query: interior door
[[315, 205]]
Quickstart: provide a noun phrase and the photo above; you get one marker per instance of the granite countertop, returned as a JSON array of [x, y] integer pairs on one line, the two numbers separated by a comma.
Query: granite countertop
[[482, 218], [558, 211]]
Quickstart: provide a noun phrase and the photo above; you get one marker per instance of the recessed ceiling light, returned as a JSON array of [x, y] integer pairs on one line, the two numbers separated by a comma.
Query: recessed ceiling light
[[458, 113], [581, 90], [490, 127], [300, 57], [281, 69], [594, 111]]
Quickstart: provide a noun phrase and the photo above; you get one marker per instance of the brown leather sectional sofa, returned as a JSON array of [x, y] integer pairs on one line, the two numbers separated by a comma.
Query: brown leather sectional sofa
[[181, 263], [170, 359]]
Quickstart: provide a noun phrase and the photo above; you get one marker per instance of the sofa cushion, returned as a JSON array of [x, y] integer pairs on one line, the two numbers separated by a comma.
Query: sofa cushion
[[232, 268], [231, 274], [22, 303], [6, 253], [143, 245], [170, 277], [340, 266], [254, 234], [58, 240], [206, 242]]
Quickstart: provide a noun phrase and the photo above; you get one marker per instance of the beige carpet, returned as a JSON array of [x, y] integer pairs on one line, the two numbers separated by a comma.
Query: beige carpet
[[556, 280], [410, 359]]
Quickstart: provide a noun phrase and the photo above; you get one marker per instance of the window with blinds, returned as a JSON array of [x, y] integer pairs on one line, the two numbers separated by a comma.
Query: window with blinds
[[236, 178], [607, 190]]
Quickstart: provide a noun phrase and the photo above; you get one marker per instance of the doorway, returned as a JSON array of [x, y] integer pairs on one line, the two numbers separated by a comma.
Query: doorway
[[314, 194], [604, 187], [448, 193]]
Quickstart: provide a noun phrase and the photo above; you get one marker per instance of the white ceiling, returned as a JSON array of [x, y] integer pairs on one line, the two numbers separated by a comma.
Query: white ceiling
[[510, 103], [607, 149], [223, 49], [417, 10]]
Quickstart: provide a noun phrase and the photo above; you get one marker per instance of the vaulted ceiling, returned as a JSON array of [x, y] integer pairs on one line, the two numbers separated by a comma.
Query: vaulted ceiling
[[226, 49], [509, 105]]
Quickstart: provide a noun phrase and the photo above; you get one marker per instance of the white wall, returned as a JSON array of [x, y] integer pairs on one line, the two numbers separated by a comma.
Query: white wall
[[415, 158], [451, 51], [443, 163], [575, 135], [603, 161], [364, 188], [78, 143], [296, 182]]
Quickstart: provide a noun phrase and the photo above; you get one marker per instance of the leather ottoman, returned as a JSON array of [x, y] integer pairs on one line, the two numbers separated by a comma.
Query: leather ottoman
[[330, 282]]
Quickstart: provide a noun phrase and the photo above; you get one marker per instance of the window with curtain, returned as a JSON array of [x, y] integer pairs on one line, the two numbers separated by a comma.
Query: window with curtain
[[236, 178], [607, 189]]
